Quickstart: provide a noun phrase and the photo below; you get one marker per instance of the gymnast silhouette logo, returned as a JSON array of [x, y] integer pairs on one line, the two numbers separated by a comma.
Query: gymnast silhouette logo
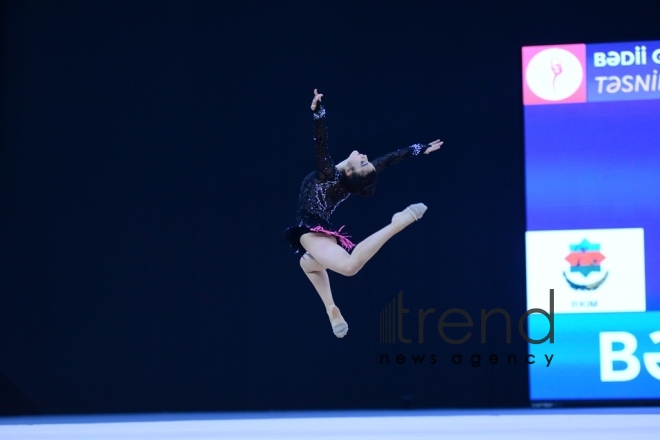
[[555, 65], [585, 258], [554, 74]]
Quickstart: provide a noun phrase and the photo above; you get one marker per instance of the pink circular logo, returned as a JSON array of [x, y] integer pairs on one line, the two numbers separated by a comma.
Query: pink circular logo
[[554, 74]]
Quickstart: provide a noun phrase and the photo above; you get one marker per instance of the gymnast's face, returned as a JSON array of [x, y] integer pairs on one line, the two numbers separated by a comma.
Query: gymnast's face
[[359, 163]]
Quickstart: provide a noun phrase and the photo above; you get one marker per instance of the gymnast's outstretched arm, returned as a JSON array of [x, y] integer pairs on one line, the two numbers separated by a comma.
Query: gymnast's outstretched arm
[[403, 153]]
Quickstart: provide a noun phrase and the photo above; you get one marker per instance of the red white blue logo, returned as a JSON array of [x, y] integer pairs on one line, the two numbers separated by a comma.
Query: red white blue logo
[[584, 259]]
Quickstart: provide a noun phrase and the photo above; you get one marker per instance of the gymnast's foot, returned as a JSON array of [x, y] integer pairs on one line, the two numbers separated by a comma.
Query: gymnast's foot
[[411, 214], [339, 325]]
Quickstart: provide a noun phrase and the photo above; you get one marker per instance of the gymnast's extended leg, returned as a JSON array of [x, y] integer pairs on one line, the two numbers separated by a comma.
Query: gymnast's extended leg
[[330, 255]]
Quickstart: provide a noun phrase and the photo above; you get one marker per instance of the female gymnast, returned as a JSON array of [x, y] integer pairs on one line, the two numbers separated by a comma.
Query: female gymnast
[[324, 247]]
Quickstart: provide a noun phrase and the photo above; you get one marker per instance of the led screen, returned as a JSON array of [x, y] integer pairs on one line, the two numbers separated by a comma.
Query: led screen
[[592, 164]]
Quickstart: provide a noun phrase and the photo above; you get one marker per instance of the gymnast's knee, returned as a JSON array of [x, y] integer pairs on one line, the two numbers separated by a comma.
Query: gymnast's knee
[[350, 268], [306, 262]]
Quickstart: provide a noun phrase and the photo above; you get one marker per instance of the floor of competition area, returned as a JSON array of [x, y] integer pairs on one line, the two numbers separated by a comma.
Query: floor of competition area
[[564, 424]]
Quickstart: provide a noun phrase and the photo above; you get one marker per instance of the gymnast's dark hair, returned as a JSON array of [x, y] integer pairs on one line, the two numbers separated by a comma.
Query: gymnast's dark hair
[[362, 184]]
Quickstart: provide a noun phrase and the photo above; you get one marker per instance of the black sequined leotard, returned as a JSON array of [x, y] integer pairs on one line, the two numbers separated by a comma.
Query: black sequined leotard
[[324, 189]]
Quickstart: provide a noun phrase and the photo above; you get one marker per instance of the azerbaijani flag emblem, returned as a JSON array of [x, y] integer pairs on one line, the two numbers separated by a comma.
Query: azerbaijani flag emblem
[[585, 258]]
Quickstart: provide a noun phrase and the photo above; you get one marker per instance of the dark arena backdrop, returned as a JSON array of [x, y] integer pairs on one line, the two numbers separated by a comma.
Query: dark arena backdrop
[[151, 154]]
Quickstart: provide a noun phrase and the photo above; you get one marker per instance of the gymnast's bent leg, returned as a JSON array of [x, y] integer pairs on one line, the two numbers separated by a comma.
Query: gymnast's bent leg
[[334, 257], [319, 278]]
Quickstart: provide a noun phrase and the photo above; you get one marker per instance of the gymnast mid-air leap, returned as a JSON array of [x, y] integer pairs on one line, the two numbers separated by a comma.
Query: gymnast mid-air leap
[[325, 247]]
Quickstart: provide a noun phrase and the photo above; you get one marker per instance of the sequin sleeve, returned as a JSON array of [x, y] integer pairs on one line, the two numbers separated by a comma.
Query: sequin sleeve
[[397, 156], [324, 165]]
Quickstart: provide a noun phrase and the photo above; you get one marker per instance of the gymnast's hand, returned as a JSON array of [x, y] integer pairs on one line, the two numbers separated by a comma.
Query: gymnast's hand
[[435, 145], [317, 98]]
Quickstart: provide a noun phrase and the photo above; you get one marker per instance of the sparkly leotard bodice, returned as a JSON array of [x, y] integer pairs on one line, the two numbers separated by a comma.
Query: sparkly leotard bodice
[[324, 189]]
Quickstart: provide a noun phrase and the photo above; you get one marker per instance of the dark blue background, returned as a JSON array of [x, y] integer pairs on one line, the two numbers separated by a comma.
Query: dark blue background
[[151, 154]]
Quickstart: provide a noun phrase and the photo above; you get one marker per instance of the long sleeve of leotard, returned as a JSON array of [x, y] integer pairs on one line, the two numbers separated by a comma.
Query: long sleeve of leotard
[[397, 156], [324, 165]]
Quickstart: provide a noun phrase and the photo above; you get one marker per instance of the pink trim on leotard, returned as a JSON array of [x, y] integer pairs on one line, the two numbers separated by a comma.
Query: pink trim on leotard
[[343, 239]]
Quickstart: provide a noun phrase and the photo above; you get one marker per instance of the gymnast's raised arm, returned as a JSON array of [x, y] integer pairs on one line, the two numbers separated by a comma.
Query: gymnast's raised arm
[[324, 165]]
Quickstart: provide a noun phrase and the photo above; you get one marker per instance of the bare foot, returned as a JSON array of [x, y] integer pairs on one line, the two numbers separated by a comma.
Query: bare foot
[[339, 325], [410, 214]]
